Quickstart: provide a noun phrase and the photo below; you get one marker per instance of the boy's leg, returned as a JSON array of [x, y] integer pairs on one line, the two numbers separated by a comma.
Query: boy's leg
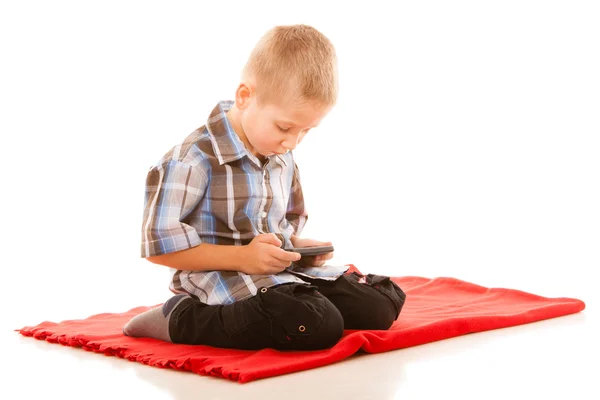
[[365, 301], [285, 317]]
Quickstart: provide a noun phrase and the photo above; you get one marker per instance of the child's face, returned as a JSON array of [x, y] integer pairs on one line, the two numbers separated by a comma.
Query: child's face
[[275, 129]]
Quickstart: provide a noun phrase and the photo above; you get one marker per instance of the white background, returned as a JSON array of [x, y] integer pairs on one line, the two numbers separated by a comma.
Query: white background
[[465, 143]]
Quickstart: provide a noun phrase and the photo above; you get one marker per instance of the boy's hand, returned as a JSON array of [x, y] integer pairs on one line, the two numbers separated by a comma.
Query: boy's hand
[[312, 261], [264, 256]]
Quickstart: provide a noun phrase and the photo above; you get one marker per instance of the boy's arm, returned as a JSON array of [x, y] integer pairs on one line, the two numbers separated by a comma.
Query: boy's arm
[[173, 190], [263, 256], [205, 257]]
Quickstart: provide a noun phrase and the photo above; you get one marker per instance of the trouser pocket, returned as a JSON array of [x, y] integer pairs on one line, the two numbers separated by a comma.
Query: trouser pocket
[[296, 310], [301, 317]]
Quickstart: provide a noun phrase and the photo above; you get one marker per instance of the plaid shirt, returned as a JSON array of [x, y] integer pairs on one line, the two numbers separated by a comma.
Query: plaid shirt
[[211, 189]]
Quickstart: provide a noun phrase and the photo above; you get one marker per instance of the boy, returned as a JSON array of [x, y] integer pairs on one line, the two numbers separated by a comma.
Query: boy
[[222, 206]]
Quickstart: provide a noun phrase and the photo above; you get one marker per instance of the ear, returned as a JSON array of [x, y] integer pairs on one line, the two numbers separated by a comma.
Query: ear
[[243, 94]]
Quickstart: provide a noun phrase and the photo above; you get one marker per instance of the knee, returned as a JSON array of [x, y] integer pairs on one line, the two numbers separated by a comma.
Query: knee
[[380, 315], [384, 304], [306, 319], [321, 328], [330, 330]]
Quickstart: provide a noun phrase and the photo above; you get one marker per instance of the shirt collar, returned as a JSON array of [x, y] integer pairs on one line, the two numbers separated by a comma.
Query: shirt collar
[[226, 143]]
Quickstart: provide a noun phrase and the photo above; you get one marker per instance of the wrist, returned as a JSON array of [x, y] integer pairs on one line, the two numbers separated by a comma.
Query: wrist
[[242, 258]]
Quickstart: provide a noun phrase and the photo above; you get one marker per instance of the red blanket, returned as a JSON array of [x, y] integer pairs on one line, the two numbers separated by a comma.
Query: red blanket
[[435, 309]]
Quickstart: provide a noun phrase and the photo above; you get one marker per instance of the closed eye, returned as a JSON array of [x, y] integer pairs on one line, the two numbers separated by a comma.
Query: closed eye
[[283, 129]]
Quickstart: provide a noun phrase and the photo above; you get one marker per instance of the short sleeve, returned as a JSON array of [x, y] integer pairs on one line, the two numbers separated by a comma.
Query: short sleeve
[[296, 212], [173, 190]]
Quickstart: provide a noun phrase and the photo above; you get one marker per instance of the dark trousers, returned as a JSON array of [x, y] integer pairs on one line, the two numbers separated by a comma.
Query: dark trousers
[[291, 316]]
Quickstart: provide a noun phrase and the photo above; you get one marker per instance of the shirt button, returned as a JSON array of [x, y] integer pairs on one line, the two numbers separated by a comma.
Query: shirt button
[[264, 214]]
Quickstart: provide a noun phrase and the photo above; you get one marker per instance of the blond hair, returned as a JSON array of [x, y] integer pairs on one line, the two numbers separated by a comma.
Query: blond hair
[[294, 62]]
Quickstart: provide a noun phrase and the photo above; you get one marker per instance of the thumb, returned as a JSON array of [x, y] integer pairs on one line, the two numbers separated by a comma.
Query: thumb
[[312, 242], [269, 238]]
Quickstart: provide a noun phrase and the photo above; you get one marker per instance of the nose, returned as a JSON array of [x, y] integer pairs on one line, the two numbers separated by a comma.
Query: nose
[[291, 142]]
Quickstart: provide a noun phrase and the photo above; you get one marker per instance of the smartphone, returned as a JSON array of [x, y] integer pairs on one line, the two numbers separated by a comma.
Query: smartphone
[[312, 251]]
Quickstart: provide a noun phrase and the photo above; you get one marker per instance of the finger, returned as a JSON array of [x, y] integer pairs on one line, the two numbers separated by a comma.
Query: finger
[[284, 255], [270, 238], [312, 243], [313, 261], [324, 257], [278, 264]]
